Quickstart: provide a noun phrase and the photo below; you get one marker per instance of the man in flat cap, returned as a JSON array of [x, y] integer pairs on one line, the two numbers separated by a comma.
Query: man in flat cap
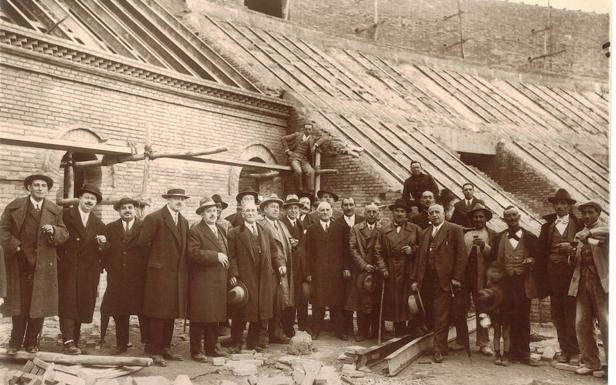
[[80, 266], [30, 229], [590, 286], [125, 263], [247, 195], [555, 239], [164, 238], [209, 264]]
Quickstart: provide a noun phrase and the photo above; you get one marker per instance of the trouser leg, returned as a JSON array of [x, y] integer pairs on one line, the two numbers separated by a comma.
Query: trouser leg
[[363, 324], [168, 335], [121, 328], [196, 332], [302, 314], [442, 304], [210, 336], [237, 331], [18, 331], [428, 288], [562, 306], [337, 318], [459, 312], [25, 329], [143, 329], [483, 334], [520, 319], [308, 174], [288, 320], [161, 332], [318, 314], [297, 173], [347, 316], [70, 329]]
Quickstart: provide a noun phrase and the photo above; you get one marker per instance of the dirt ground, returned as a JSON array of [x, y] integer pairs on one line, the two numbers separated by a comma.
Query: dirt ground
[[456, 370]]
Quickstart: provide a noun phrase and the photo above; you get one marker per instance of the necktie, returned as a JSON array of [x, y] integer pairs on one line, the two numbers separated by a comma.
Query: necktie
[[125, 227], [253, 228], [564, 221], [326, 226]]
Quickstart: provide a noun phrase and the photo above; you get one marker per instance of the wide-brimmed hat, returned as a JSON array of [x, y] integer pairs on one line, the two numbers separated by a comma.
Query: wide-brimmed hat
[[365, 282], [247, 191], [321, 192], [90, 188], [30, 178], [306, 194], [562, 195], [291, 201], [270, 199], [176, 193], [204, 203], [399, 203], [218, 199], [123, 201], [593, 204], [238, 296], [480, 207], [490, 298]]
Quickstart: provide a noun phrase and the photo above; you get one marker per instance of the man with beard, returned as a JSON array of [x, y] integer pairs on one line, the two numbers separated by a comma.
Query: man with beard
[[421, 219], [30, 229], [125, 262], [79, 266]]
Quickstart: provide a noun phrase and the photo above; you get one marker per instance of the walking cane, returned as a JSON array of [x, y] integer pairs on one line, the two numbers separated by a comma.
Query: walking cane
[[381, 311]]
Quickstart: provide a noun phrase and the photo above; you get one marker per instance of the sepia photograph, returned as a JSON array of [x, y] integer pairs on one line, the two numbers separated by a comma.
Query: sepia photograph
[[304, 192]]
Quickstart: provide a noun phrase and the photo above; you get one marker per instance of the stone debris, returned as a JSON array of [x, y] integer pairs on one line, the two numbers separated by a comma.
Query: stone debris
[[327, 376], [151, 380], [567, 367], [241, 368], [350, 371], [353, 350], [347, 359], [241, 356], [182, 379], [599, 374], [300, 344], [275, 380], [218, 361]]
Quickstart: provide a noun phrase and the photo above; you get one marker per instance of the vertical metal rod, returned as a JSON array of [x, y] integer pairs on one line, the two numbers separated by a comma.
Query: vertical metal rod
[[376, 19], [460, 30]]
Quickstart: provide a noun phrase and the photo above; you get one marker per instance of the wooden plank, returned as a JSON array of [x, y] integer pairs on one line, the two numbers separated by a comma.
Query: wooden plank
[[62, 144], [78, 359], [377, 353]]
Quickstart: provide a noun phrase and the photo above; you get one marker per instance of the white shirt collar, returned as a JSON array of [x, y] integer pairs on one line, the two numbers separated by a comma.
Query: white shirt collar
[[370, 226], [435, 229], [251, 226], [323, 224], [130, 223], [305, 137], [213, 227], [349, 220], [291, 220], [35, 203], [564, 218]]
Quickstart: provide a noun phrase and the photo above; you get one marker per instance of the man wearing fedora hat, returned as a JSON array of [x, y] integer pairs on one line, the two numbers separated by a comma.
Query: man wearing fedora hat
[[247, 195], [209, 264], [79, 266], [397, 248], [220, 206], [125, 264], [164, 238], [590, 286], [30, 230], [555, 239]]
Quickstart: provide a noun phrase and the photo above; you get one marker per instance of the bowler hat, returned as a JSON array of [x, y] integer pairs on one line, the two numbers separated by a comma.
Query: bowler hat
[[321, 192], [123, 201], [247, 191], [204, 203], [480, 207], [365, 282], [29, 179], [218, 199], [176, 193], [292, 200], [399, 203], [90, 188], [592, 204], [238, 295], [561, 195], [270, 199]]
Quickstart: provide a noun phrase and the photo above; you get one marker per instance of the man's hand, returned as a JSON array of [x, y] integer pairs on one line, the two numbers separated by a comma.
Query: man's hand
[[528, 262], [294, 242], [1, 301], [369, 268], [564, 248], [346, 274], [223, 259], [48, 229], [456, 284], [282, 270], [309, 279], [407, 250], [479, 242], [233, 281], [101, 239], [414, 286]]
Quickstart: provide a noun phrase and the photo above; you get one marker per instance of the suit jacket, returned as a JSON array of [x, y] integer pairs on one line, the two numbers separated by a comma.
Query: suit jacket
[[206, 274], [460, 212], [415, 185], [125, 262], [450, 256], [257, 273], [284, 256], [299, 255], [421, 219], [166, 280], [547, 232], [291, 141], [44, 300], [80, 266], [483, 261], [598, 239]]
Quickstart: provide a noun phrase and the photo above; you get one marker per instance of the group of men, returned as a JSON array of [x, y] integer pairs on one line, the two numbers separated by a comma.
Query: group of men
[[261, 268]]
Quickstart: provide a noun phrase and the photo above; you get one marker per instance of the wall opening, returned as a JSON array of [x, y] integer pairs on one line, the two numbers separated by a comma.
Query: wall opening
[[269, 7]]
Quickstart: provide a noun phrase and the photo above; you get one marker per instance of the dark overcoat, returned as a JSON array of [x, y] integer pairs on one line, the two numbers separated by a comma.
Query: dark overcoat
[[125, 262], [80, 266], [399, 266], [326, 261], [362, 249], [284, 255], [460, 212], [207, 292], [166, 279], [44, 301], [256, 273], [299, 255], [450, 255]]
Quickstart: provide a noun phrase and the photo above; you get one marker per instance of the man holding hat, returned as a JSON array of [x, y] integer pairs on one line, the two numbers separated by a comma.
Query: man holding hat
[[247, 195], [164, 238], [209, 264], [555, 239], [125, 263], [79, 266], [590, 286], [397, 249], [30, 229]]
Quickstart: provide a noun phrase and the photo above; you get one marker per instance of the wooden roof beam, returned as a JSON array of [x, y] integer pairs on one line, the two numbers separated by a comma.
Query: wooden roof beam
[[63, 145]]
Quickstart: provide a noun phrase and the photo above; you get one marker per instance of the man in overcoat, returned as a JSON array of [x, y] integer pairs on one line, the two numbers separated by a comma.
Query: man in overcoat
[[363, 240], [252, 260], [555, 239], [30, 229], [518, 249], [590, 287], [327, 270], [247, 195], [397, 249], [439, 271], [80, 266], [208, 277], [125, 263], [164, 238]]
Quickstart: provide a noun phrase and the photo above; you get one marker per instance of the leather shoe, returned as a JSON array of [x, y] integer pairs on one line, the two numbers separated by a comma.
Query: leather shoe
[[159, 360], [32, 349], [71, 348], [218, 352], [199, 357], [119, 350], [168, 355], [455, 346], [486, 351], [585, 370], [11, 351], [563, 358], [437, 357], [528, 361]]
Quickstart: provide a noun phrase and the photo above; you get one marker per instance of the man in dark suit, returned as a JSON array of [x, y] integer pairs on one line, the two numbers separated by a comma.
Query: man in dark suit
[[252, 256], [306, 201], [30, 229], [125, 263], [518, 249], [209, 263], [79, 266], [462, 207], [247, 195], [439, 271], [421, 219], [417, 183], [164, 239], [299, 147]]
